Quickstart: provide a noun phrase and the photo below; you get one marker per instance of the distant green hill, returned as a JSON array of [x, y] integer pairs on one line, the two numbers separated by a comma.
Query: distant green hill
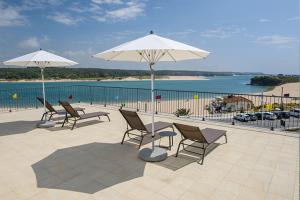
[[96, 73], [274, 80]]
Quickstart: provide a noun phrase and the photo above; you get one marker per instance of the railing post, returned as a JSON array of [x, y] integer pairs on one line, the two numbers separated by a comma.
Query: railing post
[[155, 92], [91, 97], [104, 96], [137, 99]]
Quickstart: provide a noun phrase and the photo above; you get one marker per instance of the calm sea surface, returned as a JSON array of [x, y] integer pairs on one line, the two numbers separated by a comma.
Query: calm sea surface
[[225, 84]]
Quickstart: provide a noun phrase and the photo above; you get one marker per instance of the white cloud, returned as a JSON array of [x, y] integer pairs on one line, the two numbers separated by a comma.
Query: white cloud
[[99, 18], [276, 40], [91, 8], [39, 4], [221, 32], [33, 42], [293, 19], [157, 7], [183, 33], [64, 18], [131, 11], [108, 1], [75, 53], [263, 20], [11, 16]]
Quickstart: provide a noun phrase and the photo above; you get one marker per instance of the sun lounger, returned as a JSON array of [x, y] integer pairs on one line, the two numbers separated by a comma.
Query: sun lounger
[[52, 111], [73, 114], [135, 123], [206, 137]]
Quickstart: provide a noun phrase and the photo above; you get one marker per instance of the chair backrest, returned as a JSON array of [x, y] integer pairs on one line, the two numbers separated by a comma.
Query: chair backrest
[[69, 109], [190, 132], [133, 120], [48, 105]]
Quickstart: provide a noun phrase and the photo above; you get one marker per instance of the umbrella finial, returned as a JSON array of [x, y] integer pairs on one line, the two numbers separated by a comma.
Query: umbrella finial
[[151, 32]]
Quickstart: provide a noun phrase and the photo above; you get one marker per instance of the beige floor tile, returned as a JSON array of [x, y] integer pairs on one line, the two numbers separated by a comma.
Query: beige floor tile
[[265, 168]]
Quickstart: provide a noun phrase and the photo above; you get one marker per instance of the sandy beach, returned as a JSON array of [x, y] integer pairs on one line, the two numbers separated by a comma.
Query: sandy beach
[[130, 78], [289, 88]]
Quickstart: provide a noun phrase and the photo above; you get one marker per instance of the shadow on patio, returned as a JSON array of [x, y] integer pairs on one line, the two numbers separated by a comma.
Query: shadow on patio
[[17, 127], [89, 168], [186, 157]]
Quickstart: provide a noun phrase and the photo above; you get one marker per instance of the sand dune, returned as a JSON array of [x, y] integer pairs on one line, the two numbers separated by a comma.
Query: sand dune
[[290, 88]]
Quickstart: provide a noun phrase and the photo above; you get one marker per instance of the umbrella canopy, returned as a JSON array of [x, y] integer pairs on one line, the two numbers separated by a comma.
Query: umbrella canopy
[[40, 59], [152, 48]]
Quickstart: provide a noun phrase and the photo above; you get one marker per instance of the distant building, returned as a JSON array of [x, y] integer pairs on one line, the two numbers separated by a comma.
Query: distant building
[[234, 103]]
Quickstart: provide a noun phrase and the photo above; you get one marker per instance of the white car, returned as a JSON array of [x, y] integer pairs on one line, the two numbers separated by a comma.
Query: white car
[[295, 112], [242, 117]]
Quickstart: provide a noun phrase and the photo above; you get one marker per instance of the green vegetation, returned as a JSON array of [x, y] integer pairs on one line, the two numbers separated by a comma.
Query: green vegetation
[[182, 112], [274, 80], [31, 73]]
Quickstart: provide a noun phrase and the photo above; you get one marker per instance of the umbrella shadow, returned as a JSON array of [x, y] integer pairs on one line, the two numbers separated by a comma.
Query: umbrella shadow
[[17, 127], [88, 168], [185, 158]]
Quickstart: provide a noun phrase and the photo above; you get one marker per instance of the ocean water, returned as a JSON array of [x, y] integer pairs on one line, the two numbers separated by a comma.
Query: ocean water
[[223, 84]]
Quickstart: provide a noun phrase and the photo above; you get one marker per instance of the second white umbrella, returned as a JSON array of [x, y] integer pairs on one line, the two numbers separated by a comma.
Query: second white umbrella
[[41, 59], [152, 49]]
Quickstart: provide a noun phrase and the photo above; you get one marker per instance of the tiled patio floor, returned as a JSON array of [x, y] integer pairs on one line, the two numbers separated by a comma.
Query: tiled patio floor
[[90, 163]]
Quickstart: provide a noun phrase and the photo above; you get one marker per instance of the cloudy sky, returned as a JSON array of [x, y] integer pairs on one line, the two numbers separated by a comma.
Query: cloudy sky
[[242, 35]]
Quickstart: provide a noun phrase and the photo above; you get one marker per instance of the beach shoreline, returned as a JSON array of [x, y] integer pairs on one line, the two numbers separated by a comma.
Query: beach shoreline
[[293, 89], [130, 78]]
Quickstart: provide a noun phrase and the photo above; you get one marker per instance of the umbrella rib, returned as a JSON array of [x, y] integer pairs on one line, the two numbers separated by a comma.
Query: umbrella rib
[[171, 56], [192, 52], [115, 55], [160, 56], [143, 56]]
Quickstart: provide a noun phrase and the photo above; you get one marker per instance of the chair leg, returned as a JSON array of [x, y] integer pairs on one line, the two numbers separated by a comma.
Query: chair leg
[[74, 124], [43, 116], [108, 118], [126, 132], [203, 155], [178, 147], [225, 138], [65, 120], [50, 116], [141, 141]]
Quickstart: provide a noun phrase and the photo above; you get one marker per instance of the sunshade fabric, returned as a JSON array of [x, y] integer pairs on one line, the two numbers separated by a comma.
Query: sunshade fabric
[[152, 48], [40, 59]]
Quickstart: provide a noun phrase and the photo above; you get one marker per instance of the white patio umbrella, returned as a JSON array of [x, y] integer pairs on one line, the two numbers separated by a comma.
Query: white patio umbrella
[[152, 49], [41, 59]]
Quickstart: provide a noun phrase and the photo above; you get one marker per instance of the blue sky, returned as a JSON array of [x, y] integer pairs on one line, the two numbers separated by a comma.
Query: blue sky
[[242, 35]]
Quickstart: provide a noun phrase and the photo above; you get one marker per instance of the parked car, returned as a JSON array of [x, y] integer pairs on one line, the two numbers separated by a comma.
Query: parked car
[[252, 116], [270, 116], [265, 115], [260, 116], [282, 114], [242, 117], [295, 112]]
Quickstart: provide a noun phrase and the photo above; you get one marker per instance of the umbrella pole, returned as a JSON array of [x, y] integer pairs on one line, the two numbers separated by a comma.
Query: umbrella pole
[[44, 94], [154, 154], [152, 102]]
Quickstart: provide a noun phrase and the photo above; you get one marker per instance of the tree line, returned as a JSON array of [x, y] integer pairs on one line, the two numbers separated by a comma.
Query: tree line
[[274, 80], [31, 73]]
